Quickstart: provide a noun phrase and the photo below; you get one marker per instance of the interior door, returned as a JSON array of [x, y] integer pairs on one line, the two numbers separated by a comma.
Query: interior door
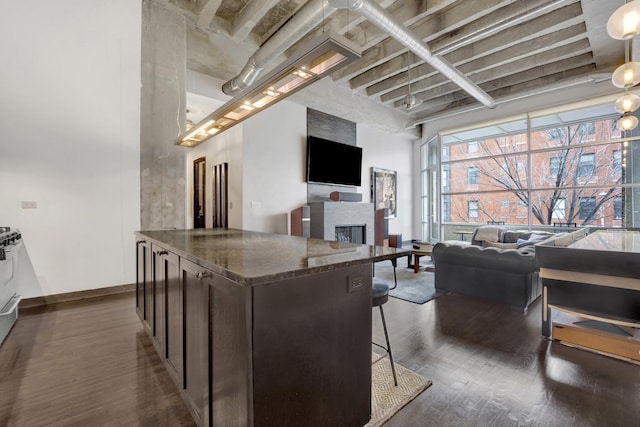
[[199, 177], [221, 195]]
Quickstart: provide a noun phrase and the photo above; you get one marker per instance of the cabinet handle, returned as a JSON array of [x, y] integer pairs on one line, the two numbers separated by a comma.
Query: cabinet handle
[[161, 253], [202, 274], [140, 242]]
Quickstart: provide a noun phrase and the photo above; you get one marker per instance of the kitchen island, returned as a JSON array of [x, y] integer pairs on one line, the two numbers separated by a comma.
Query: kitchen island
[[260, 329]]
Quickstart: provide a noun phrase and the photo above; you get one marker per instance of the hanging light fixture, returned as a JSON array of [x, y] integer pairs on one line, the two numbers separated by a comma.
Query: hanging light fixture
[[627, 75], [410, 99], [627, 122], [627, 103], [312, 61], [625, 21]]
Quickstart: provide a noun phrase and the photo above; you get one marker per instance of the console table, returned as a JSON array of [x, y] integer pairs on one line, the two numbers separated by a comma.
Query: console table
[[260, 329], [592, 275]]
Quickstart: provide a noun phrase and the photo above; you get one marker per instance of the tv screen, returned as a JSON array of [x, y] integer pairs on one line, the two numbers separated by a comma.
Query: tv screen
[[330, 162]]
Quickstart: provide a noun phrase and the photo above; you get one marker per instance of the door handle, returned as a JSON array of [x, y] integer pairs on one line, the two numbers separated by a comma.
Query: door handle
[[202, 274]]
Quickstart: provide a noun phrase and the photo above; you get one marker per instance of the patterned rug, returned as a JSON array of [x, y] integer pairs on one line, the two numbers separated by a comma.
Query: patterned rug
[[387, 399]]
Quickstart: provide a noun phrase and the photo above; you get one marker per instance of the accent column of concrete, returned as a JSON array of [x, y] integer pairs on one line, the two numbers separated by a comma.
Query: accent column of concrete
[[162, 114]]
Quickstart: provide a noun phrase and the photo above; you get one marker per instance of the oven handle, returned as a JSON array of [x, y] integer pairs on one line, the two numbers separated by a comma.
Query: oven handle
[[10, 310]]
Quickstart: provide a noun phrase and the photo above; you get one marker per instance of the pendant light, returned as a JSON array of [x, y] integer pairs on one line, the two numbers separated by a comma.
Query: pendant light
[[627, 75], [627, 122], [627, 103], [625, 21]]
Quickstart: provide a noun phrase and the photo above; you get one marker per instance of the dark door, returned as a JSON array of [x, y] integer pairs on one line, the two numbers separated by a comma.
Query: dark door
[[220, 195], [199, 179]]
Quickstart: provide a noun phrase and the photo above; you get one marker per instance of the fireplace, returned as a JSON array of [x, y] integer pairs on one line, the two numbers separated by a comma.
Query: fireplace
[[351, 234], [330, 218]]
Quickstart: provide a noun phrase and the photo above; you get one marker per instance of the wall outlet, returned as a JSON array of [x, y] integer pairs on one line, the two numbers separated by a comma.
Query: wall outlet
[[29, 205], [256, 205], [356, 283]]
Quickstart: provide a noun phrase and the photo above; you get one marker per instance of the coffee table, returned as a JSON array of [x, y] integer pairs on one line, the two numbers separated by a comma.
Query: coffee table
[[416, 253]]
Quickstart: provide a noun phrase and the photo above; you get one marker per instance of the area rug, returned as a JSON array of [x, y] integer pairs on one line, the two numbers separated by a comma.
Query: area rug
[[387, 399], [417, 288]]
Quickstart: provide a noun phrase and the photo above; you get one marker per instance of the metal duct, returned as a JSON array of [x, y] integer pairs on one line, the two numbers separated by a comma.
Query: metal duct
[[312, 14], [306, 19]]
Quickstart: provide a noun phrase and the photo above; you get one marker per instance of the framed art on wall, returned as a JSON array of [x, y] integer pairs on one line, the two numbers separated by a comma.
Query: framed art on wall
[[384, 190]]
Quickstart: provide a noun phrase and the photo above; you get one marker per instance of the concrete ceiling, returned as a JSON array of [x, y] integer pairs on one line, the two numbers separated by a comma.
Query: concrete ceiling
[[507, 47]]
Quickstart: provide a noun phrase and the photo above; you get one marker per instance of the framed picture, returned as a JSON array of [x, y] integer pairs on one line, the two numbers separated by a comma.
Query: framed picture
[[384, 190]]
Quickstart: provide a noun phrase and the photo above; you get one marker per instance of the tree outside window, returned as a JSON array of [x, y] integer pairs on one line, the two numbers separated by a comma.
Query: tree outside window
[[587, 165], [617, 162], [587, 208], [617, 208], [554, 166]]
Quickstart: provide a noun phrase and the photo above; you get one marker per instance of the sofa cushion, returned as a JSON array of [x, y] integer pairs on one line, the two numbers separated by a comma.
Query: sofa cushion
[[533, 239], [499, 245], [488, 233]]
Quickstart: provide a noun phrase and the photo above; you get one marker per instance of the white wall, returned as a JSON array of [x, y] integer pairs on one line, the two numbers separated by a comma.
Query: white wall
[[70, 117], [394, 152], [275, 146]]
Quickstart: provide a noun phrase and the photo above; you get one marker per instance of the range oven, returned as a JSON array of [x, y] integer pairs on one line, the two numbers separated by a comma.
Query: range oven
[[10, 242]]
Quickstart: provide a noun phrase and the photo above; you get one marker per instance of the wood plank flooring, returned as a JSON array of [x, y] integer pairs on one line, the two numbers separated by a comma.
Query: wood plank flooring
[[89, 363]]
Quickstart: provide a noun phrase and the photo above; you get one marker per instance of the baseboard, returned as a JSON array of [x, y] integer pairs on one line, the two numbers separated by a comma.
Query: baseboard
[[75, 296]]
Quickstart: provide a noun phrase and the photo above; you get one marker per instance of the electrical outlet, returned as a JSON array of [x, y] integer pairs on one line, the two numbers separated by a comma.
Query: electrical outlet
[[356, 283], [29, 205]]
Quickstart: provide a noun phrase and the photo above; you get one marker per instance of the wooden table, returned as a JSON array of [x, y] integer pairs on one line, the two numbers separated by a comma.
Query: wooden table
[[424, 250]]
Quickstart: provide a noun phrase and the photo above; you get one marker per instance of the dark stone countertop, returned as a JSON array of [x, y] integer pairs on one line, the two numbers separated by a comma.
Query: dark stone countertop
[[253, 258]]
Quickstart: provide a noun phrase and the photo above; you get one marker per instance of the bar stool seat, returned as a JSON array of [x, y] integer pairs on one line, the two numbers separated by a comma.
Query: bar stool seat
[[379, 296]]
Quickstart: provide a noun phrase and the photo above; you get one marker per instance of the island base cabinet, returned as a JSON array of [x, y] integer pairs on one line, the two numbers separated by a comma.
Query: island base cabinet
[[172, 305], [312, 350], [195, 284]]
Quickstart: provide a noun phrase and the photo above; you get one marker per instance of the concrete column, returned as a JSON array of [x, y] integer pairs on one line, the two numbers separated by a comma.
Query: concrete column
[[162, 117]]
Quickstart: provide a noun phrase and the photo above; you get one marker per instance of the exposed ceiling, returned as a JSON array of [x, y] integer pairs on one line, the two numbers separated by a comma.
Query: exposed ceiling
[[510, 48]]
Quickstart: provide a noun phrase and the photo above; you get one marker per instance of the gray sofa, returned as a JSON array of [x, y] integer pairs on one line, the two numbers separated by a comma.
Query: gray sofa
[[501, 268]]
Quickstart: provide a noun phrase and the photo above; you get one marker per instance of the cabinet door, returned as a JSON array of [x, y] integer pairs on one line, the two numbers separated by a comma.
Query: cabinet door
[[144, 283], [160, 265], [196, 281], [173, 318]]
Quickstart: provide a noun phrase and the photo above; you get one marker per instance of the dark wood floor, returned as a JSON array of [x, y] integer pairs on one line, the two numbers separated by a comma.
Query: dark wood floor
[[90, 364]]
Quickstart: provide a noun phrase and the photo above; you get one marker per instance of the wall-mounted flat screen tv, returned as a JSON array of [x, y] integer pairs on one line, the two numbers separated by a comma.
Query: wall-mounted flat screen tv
[[330, 162]]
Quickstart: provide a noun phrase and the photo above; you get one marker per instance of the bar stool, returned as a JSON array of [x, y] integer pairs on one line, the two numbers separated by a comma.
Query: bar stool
[[380, 295]]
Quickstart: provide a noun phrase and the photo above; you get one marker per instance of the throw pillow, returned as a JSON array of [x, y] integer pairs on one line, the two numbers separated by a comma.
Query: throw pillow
[[499, 245], [487, 233]]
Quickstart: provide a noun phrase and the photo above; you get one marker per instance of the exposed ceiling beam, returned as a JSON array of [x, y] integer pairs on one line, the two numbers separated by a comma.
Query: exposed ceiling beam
[[428, 29], [207, 12], [533, 50], [546, 24], [484, 27], [250, 15]]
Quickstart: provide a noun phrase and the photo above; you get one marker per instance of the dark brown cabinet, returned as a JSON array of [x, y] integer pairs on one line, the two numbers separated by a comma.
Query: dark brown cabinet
[[173, 319], [284, 349], [144, 283], [195, 283]]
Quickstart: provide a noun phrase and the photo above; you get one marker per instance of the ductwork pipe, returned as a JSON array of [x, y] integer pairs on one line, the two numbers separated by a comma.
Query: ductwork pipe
[[312, 14], [306, 19]]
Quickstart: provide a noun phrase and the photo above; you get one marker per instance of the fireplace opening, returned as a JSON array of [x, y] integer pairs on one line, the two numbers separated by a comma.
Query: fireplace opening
[[351, 234]]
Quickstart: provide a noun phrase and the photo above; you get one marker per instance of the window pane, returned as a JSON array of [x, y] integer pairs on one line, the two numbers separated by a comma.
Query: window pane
[[576, 166], [496, 173], [584, 206], [481, 208], [571, 135]]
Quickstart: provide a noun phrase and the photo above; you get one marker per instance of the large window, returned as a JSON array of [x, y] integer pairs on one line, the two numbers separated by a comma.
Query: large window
[[566, 167]]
